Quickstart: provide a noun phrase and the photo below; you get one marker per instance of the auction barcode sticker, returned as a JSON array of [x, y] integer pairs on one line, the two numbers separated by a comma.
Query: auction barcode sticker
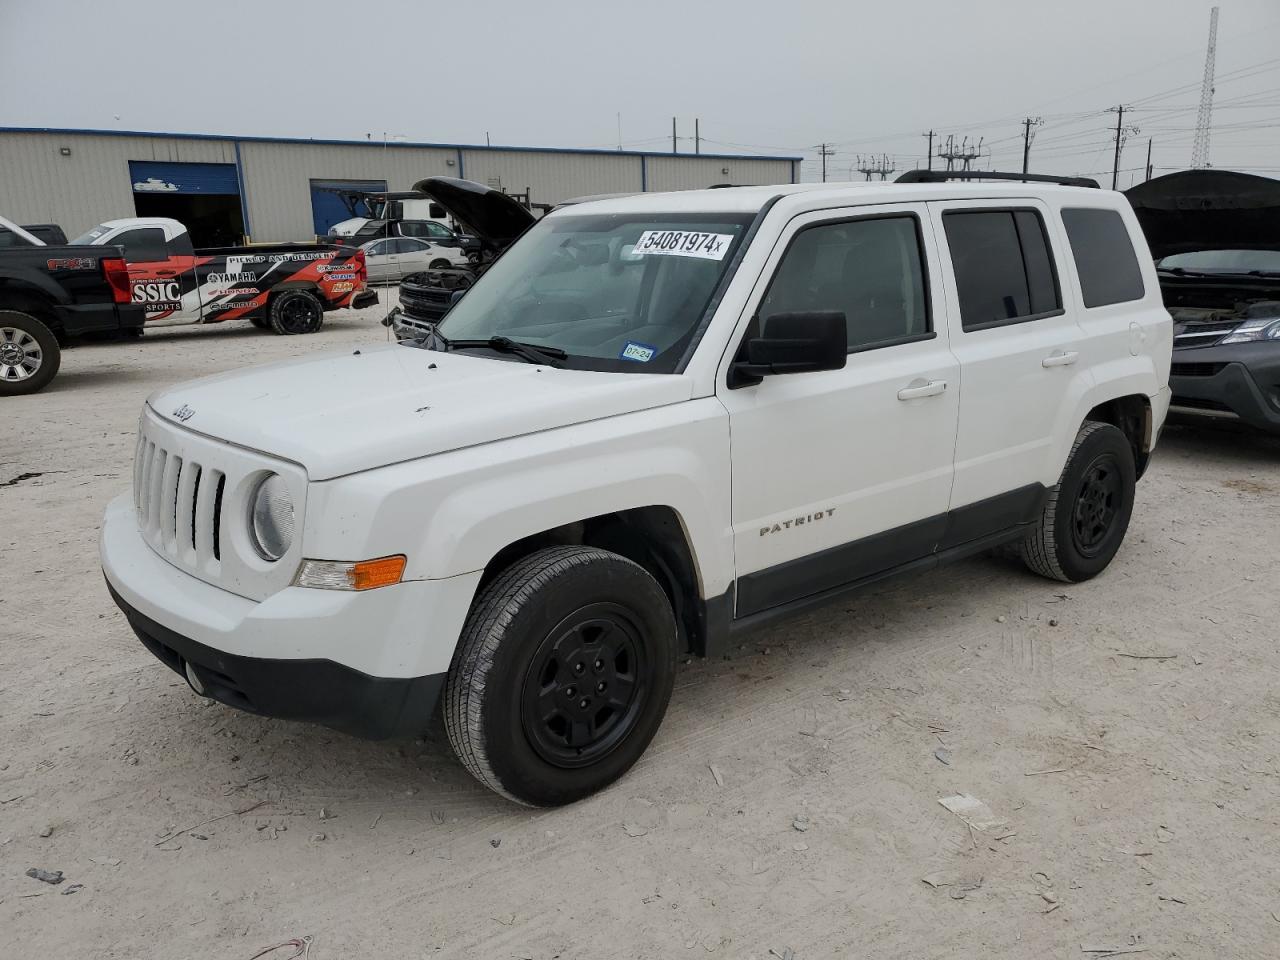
[[683, 243]]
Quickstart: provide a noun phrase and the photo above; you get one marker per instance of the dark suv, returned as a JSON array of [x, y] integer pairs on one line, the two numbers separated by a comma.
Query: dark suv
[[1216, 238]]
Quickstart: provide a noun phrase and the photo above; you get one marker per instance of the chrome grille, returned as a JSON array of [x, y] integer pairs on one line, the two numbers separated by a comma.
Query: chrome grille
[[1202, 334], [179, 505]]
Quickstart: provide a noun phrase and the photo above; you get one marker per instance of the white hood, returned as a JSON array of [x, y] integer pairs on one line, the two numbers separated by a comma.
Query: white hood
[[340, 413]]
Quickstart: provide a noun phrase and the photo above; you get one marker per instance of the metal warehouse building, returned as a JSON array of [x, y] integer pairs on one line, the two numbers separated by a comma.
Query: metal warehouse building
[[273, 189]]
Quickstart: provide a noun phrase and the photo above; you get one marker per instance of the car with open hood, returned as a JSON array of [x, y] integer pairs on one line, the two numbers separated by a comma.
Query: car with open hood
[[653, 423], [1215, 235]]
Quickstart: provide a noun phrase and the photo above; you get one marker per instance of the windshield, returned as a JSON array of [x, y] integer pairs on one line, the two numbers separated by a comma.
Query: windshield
[[620, 292], [1223, 261], [92, 234]]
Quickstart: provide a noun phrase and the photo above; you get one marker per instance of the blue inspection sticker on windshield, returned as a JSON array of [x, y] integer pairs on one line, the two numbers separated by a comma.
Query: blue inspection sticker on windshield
[[639, 352]]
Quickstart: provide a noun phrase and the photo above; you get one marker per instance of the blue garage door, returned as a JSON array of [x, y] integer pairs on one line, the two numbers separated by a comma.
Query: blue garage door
[[327, 207], [155, 176]]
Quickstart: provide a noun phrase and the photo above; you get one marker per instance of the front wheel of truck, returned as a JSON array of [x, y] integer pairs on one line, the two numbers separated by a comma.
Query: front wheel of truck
[[29, 354], [294, 312], [562, 675]]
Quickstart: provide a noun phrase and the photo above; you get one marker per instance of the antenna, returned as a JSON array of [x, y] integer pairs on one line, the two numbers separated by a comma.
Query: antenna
[[1204, 118]]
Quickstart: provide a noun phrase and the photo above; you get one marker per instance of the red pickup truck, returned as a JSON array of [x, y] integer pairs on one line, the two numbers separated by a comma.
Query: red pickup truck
[[282, 287]]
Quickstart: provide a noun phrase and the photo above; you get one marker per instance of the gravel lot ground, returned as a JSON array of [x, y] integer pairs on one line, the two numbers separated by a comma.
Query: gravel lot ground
[[1125, 731]]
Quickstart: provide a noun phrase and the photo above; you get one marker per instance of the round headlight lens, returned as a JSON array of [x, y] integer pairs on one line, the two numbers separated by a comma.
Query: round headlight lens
[[271, 518]]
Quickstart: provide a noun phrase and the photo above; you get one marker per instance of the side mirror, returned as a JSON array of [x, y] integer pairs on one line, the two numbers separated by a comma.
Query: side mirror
[[795, 343]]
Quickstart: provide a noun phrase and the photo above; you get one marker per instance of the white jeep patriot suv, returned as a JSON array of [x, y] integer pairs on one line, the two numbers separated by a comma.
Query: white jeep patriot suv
[[654, 422]]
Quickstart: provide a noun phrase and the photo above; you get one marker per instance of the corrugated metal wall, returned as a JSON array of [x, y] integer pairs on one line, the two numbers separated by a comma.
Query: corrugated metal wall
[[277, 178], [39, 185], [683, 172], [550, 176]]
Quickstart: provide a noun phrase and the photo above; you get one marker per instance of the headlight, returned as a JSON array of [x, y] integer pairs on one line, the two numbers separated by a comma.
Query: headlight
[[1265, 328], [271, 518]]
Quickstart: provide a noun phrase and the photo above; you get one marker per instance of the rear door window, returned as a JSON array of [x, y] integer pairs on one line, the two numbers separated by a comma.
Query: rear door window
[[1103, 252], [1003, 266]]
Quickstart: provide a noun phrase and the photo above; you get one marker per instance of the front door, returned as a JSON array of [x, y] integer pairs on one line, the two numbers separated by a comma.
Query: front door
[[841, 474]]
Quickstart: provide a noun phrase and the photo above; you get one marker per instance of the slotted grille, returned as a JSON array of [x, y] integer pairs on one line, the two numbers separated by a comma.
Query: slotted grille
[[179, 505]]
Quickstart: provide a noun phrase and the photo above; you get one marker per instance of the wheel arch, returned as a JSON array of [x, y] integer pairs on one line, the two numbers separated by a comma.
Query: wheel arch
[[655, 537], [1132, 415]]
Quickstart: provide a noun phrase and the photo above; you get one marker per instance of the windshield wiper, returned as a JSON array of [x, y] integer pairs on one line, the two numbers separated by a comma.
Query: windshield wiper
[[530, 352]]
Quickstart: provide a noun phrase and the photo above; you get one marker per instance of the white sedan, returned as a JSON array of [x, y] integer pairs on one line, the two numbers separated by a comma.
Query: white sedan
[[393, 258]]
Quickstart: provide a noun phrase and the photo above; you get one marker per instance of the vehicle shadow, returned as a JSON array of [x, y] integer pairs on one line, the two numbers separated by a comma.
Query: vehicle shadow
[[1237, 443]]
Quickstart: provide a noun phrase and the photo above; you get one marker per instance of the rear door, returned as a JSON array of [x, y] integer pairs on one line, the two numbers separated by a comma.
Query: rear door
[[413, 255], [1019, 347], [382, 263], [162, 275]]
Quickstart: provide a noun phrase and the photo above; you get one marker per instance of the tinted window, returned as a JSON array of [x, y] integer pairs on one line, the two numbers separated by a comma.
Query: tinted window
[[405, 245], [378, 248], [143, 245], [871, 270], [1004, 270], [424, 228], [1105, 261]]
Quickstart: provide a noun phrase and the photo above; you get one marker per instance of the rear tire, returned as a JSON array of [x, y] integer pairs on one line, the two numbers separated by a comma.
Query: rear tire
[[561, 676], [1086, 516], [295, 312], [29, 354]]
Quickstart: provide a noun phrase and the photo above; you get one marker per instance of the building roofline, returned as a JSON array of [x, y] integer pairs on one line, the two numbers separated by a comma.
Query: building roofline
[[396, 144]]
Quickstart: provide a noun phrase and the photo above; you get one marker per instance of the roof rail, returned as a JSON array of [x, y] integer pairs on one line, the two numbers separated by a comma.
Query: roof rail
[[942, 176]]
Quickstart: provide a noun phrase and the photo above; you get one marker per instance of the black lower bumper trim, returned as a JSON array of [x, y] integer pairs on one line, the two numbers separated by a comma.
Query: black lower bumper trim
[[318, 691], [1251, 393]]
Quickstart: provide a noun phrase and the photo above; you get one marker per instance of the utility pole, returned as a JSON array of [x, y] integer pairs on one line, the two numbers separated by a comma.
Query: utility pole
[[930, 153], [1027, 126], [824, 152], [1204, 117], [673, 134], [697, 137], [1121, 133], [1148, 158]]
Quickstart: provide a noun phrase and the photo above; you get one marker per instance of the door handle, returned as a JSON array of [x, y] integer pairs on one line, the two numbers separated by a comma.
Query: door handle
[[922, 388], [1064, 359]]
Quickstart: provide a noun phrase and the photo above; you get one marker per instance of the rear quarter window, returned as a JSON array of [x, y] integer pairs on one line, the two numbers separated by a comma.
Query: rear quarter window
[[1103, 252]]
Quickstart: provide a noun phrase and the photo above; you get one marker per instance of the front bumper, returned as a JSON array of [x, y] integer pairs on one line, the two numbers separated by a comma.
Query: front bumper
[[1238, 382], [370, 663]]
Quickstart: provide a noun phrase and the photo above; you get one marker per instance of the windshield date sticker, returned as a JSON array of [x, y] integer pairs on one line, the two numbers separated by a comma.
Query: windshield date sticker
[[639, 352], [683, 243]]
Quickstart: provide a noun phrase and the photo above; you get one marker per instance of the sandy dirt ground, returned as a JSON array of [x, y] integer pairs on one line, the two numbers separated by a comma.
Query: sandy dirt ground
[[1124, 735]]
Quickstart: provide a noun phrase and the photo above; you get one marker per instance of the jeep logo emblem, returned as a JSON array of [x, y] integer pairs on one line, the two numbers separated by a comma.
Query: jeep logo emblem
[[184, 413]]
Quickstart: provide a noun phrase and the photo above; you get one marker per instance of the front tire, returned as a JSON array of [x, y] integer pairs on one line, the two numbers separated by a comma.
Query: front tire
[[562, 675], [296, 312], [1085, 518], [29, 354]]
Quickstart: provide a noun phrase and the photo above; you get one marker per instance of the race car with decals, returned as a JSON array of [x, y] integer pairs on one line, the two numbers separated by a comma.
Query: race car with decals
[[285, 288], [50, 295]]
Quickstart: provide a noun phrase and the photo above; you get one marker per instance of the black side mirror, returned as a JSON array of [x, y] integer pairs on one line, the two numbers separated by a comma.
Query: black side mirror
[[795, 343]]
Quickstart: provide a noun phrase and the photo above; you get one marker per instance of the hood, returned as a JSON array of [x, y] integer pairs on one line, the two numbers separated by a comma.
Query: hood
[[495, 217], [348, 228], [1208, 210], [340, 413]]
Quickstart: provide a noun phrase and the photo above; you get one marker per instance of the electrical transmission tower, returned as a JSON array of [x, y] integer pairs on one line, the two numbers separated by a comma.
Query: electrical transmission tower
[[964, 152], [872, 166], [1200, 146]]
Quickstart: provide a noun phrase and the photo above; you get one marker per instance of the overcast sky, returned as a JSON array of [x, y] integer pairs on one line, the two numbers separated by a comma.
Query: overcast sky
[[763, 77]]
